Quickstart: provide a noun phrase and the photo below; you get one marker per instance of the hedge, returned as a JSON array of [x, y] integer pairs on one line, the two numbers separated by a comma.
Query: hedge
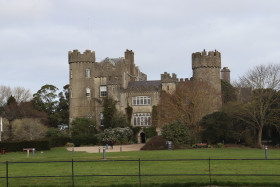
[[59, 141], [19, 145], [84, 140]]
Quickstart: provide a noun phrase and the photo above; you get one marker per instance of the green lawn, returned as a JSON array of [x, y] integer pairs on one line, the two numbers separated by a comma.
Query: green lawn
[[176, 168]]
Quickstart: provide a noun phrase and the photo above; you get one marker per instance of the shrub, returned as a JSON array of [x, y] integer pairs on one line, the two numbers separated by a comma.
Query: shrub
[[159, 143], [83, 126], [220, 145], [176, 132], [248, 137], [69, 144], [59, 141], [84, 140], [118, 135], [55, 132], [28, 129], [155, 143], [218, 127], [150, 132]]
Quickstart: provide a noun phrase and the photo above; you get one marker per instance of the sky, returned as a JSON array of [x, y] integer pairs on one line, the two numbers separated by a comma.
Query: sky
[[36, 35]]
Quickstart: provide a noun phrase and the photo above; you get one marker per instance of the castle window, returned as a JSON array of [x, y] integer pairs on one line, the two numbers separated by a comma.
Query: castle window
[[103, 91], [141, 100], [142, 119], [87, 73], [88, 92], [134, 100], [101, 119], [71, 75], [71, 93]]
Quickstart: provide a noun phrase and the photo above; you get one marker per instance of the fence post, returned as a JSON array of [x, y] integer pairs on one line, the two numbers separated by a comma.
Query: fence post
[[139, 173], [209, 171], [266, 154], [72, 173], [7, 174]]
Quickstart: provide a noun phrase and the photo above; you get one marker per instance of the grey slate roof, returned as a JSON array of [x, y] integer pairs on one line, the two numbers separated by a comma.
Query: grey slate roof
[[113, 61], [156, 83]]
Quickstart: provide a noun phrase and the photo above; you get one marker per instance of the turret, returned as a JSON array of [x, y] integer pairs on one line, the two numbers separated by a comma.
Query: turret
[[225, 74], [129, 56], [206, 67], [81, 71]]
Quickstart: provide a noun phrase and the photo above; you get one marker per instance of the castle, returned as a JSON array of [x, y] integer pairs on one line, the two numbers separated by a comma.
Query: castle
[[122, 80]]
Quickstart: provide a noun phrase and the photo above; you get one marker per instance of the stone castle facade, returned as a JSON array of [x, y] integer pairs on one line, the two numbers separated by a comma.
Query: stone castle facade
[[122, 80]]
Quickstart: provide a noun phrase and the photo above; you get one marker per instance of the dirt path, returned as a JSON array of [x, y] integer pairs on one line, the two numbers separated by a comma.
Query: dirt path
[[95, 149]]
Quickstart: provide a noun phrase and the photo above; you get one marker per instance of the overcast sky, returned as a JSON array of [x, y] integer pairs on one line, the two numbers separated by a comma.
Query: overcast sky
[[36, 35]]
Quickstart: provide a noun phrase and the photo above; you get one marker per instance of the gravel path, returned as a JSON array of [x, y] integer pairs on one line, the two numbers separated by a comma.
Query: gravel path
[[95, 149]]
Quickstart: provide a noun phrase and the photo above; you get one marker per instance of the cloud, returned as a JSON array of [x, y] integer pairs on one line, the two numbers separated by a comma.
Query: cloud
[[37, 35], [12, 10]]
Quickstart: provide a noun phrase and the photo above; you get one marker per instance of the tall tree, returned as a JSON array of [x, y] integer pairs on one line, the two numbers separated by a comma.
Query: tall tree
[[11, 101], [62, 110], [187, 105], [258, 111], [46, 100]]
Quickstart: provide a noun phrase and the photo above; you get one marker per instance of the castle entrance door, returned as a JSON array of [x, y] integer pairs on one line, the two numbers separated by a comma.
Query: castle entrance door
[[143, 137]]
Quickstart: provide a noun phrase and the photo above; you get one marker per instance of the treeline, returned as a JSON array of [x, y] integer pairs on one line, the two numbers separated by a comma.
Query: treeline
[[27, 117]]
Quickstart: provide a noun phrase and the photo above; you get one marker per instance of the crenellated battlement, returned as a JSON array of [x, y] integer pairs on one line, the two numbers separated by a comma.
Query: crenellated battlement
[[186, 80], [129, 51], [76, 56], [212, 59], [204, 53], [167, 78]]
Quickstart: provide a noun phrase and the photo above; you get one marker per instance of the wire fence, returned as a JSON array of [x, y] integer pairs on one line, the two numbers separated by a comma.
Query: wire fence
[[210, 172]]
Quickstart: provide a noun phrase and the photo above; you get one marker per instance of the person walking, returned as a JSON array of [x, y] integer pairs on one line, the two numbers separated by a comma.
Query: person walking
[[112, 144]]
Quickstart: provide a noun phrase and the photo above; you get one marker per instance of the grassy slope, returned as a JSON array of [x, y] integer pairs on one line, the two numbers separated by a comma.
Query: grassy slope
[[117, 168]]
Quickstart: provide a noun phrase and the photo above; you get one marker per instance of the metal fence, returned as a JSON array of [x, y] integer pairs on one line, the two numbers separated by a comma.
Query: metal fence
[[74, 176]]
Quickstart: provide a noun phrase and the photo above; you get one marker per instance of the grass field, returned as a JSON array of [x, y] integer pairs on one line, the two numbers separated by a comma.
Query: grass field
[[231, 167]]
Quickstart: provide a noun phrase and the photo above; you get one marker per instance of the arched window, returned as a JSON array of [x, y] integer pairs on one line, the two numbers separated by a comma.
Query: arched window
[[88, 92], [87, 72]]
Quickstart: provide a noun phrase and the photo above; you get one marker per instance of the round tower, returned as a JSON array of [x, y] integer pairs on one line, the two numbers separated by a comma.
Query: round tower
[[81, 89], [206, 67]]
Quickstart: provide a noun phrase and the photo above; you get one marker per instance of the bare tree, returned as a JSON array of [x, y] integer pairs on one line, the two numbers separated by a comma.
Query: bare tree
[[5, 93], [188, 104], [264, 80], [21, 94]]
